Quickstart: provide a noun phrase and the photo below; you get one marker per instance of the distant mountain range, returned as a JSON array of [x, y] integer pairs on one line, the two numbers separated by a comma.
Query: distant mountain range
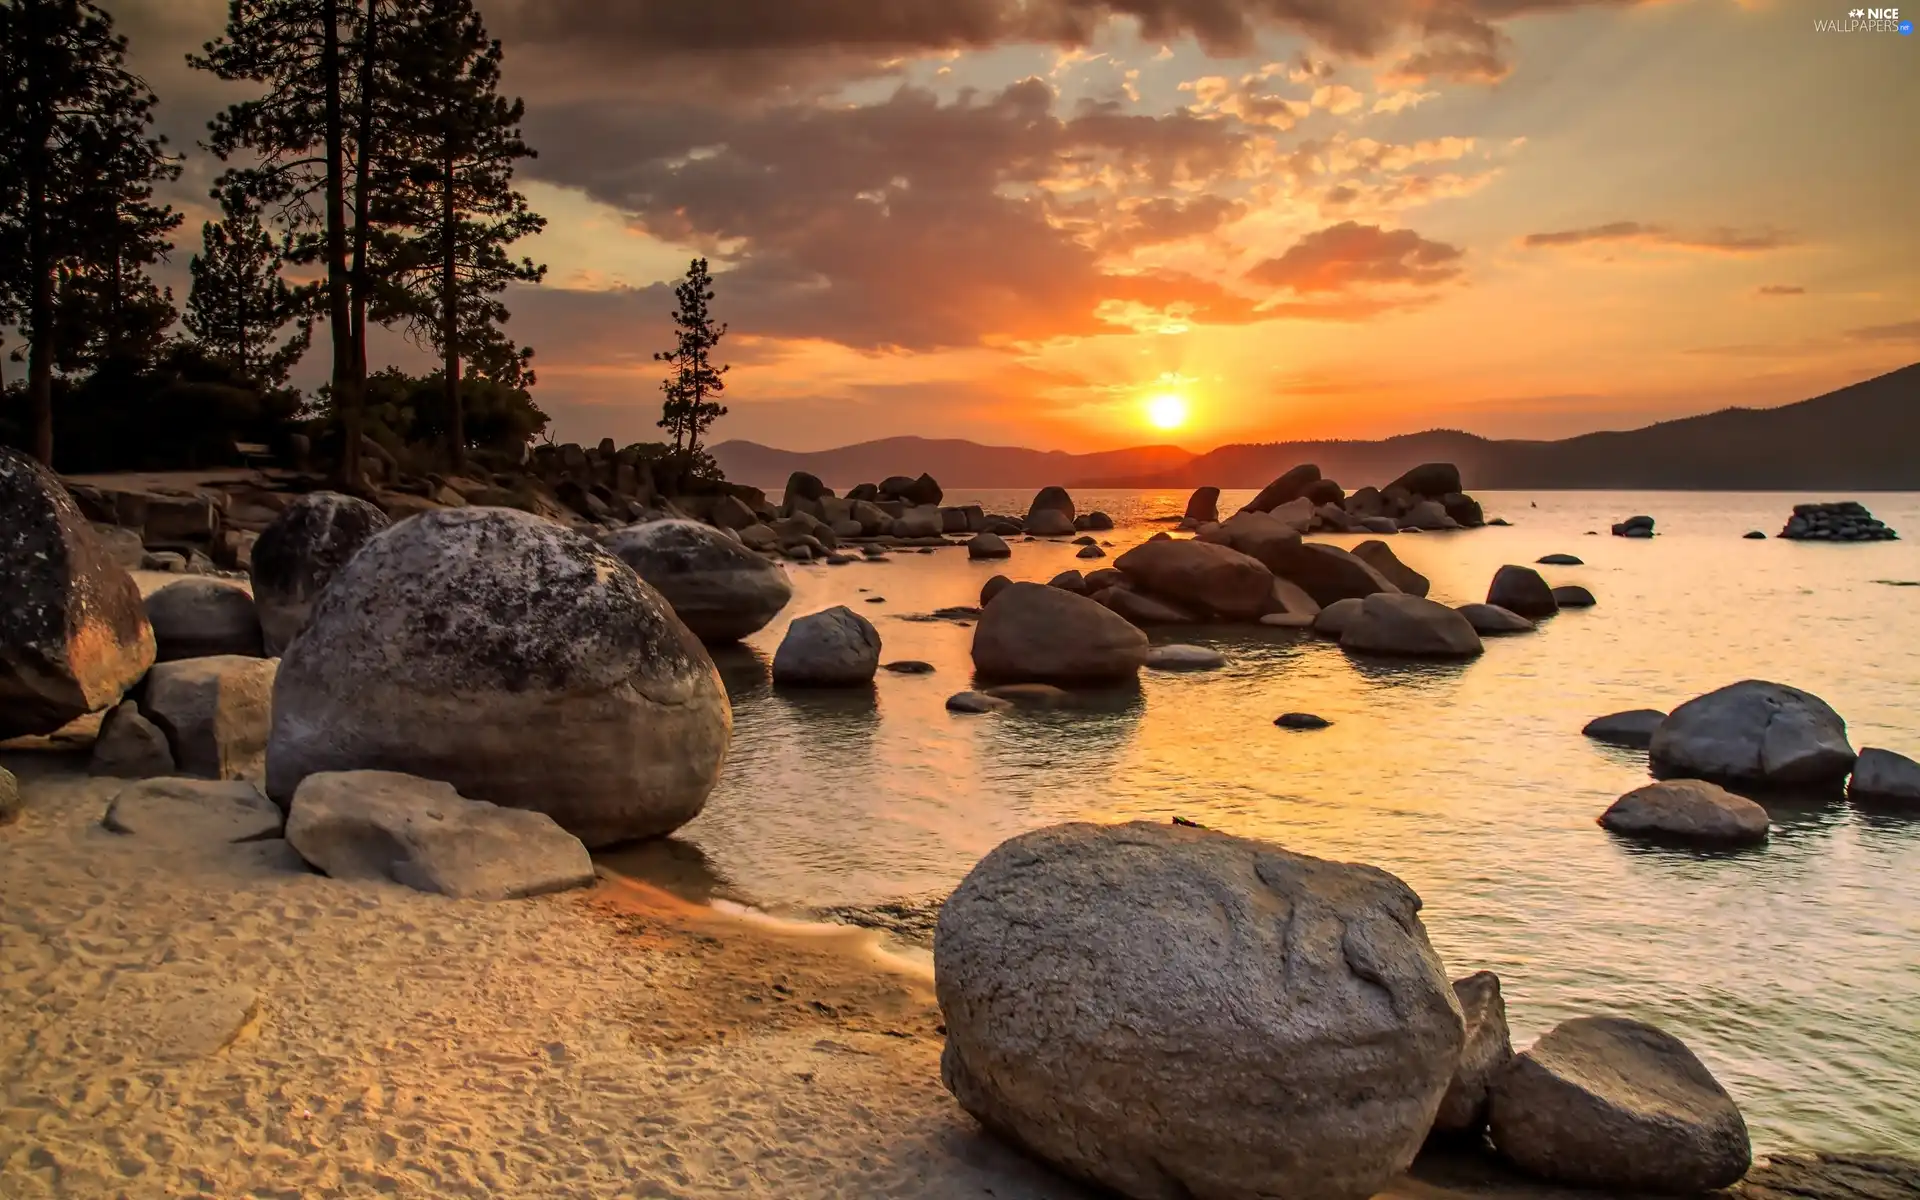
[[1865, 437]]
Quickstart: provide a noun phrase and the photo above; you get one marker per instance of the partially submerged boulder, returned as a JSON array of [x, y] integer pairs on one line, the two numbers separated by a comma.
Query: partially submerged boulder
[[988, 545], [299, 553], [1572, 595], [1380, 557], [217, 712], [1199, 575], [1489, 619], [1754, 731], [1634, 727], [1334, 619], [1291, 486], [74, 635], [1169, 1011], [1328, 573], [1185, 658], [1409, 627], [719, 589], [993, 587], [834, 648], [1690, 811], [1883, 777], [1204, 505], [1522, 590], [198, 617], [1488, 1048], [1034, 633]]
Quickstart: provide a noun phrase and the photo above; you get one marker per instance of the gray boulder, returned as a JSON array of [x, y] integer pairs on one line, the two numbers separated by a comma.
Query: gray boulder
[[381, 825], [1202, 576], [192, 814], [835, 648], [719, 589], [1488, 1048], [1881, 776], [199, 617], [1632, 728], [1606, 1102], [988, 545], [1409, 627], [1757, 732], [130, 747], [1172, 1012], [1522, 590], [1033, 633], [1687, 810], [1334, 619], [1492, 619], [217, 712], [74, 635], [299, 553], [1380, 557], [513, 659]]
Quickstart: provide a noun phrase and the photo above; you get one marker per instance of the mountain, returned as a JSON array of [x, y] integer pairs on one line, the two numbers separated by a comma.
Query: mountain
[[956, 463], [1861, 438]]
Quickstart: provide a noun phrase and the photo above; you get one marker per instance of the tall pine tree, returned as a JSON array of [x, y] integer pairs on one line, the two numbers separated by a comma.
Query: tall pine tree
[[78, 226], [240, 304], [448, 176], [690, 409]]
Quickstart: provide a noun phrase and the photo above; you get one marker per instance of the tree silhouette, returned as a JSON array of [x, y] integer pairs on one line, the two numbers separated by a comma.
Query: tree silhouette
[[239, 303], [689, 410]]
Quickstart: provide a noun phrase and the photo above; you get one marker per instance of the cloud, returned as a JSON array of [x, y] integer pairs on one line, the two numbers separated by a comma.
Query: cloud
[[1341, 257], [1781, 289], [1904, 331], [1721, 240]]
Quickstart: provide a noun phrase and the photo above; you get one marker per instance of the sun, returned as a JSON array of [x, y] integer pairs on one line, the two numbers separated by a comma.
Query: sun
[[1167, 411]]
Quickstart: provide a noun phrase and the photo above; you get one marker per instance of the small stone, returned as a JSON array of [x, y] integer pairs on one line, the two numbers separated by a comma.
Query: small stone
[[1184, 658], [909, 667], [1300, 720], [1488, 1049]]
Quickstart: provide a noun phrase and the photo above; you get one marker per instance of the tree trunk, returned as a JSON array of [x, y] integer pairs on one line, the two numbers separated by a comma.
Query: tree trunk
[[40, 243], [346, 396], [450, 314], [362, 186]]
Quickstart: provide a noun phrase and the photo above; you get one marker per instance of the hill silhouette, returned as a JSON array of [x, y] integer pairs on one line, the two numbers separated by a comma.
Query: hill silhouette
[[955, 462]]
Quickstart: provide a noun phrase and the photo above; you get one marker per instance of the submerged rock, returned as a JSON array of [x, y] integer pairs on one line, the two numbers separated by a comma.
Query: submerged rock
[[1632, 728], [719, 589], [1687, 810], [1560, 560], [299, 554], [1489, 619], [1031, 632], [976, 703], [1299, 720], [1184, 658], [1757, 732], [835, 648]]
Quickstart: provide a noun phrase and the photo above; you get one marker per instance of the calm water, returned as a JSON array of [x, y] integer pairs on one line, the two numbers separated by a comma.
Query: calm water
[[1794, 971]]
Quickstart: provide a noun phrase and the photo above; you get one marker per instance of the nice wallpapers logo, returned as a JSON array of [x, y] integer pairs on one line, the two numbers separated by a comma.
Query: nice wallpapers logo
[[1868, 20]]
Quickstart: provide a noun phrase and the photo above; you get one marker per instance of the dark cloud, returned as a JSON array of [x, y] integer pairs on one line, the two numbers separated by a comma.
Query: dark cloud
[[1717, 241], [1904, 331], [1782, 289], [1340, 257]]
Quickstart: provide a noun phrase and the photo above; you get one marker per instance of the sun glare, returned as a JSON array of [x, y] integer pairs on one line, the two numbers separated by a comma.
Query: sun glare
[[1167, 411]]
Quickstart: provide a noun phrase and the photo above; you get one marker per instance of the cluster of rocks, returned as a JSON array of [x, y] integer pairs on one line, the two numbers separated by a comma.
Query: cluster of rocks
[[811, 521], [1845, 521], [1427, 498], [1142, 1005], [1634, 527]]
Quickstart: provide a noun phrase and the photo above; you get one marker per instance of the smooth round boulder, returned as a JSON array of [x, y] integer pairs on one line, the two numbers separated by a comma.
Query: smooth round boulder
[[988, 545], [1091, 552], [1607, 1102], [1334, 619], [1572, 595], [1560, 560], [1049, 522], [835, 648], [1754, 731], [1030, 632], [518, 661], [1690, 811], [1488, 1049], [1069, 581], [1492, 619], [200, 617], [1631, 728], [299, 554], [1185, 658], [1050, 499], [1522, 590], [1300, 720], [1883, 777], [993, 587], [1200, 576], [1409, 627], [1173, 1012], [718, 588], [1327, 573]]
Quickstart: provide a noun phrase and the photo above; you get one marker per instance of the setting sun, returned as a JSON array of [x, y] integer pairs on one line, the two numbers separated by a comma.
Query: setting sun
[[1167, 411]]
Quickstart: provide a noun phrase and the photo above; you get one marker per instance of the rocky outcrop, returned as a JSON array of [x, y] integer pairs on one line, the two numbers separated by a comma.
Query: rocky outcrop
[[299, 553], [1291, 486], [1633, 728], [199, 617], [1690, 811], [1486, 1052], [1144, 1005], [1605, 1102], [1755, 732], [515, 660], [719, 589], [385, 826], [130, 747], [1433, 480], [1845, 521], [1409, 627], [835, 648], [1198, 575], [1034, 633], [1883, 777], [1491, 619], [74, 635], [216, 712], [1522, 590], [1380, 557]]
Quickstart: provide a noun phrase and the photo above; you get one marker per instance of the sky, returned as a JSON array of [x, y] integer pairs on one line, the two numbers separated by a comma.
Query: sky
[[1071, 224]]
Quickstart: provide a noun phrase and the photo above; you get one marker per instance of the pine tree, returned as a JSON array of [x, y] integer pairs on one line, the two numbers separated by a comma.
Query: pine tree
[[78, 226], [240, 304], [449, 173], [689, 410]]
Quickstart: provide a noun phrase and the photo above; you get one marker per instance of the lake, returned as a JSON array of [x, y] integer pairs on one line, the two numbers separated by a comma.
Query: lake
[[1792, 970]]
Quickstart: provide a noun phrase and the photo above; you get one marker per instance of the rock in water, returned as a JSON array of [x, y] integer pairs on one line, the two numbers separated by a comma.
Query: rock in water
[[993, 587], [1560, 560], [1039, 634], [216, 712], [1881, 776], [1429, 479], [1633, 728], [1381, 558], [130, 746], [1606, 1102], [74, 635], [718, 588], [1185, 658], [1522, 590], [423, 834], [1573, 596], [1492, 619], [1286, 489], [200, 617], [1300, 720], [515, 660], [1200, 575], [1334, 619], [1328, 573], [1410, 626], [1757, 732], [1050, 499], [1692, 811], [835, 648], [988, 545], [1172, 1012], [1487, 1051], [299, 553], [1204, 505], [976, 703]]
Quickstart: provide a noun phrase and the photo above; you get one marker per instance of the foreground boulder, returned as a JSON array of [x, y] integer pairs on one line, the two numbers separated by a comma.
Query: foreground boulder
[[299, 553], [1632, 728], [1169, 1011], [1522, 590], [74, 635], [1034, 633], [381, 825], [718, 588], [1380, 557], [217, 713], [513, 659], [835, 648], [1409, 627], [1488, 1049], [1756, 732], [1605, 1102], [130, 747], [199, 617], [1881, 776], [1692, 811], [1200, 575]]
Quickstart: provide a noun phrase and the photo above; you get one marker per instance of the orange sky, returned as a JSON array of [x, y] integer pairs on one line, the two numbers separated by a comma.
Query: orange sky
[[1022, 222]]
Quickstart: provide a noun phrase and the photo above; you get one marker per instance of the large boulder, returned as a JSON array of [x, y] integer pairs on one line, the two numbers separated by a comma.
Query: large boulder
[[1488, 1048], [1334, 620], [1433, 480], [835, 648], [1291, 486], [515, 660], [1172, 1012], [10, 803], [299, 554], [1410, 627], [988, 545], [1380, 557], [130, 747], [921, 521], [1606, 1102], [1199, 575], [1755, 732], [1035, 633], [718, 588], [382, 825], [803, 495], [217, 712], [74, 635], [199, 617], [1266, 537], [1488, 619], [1050, 499], [1521, 590], [1687, 810], [1329, 573], [1883, 777], [1204, 505]]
